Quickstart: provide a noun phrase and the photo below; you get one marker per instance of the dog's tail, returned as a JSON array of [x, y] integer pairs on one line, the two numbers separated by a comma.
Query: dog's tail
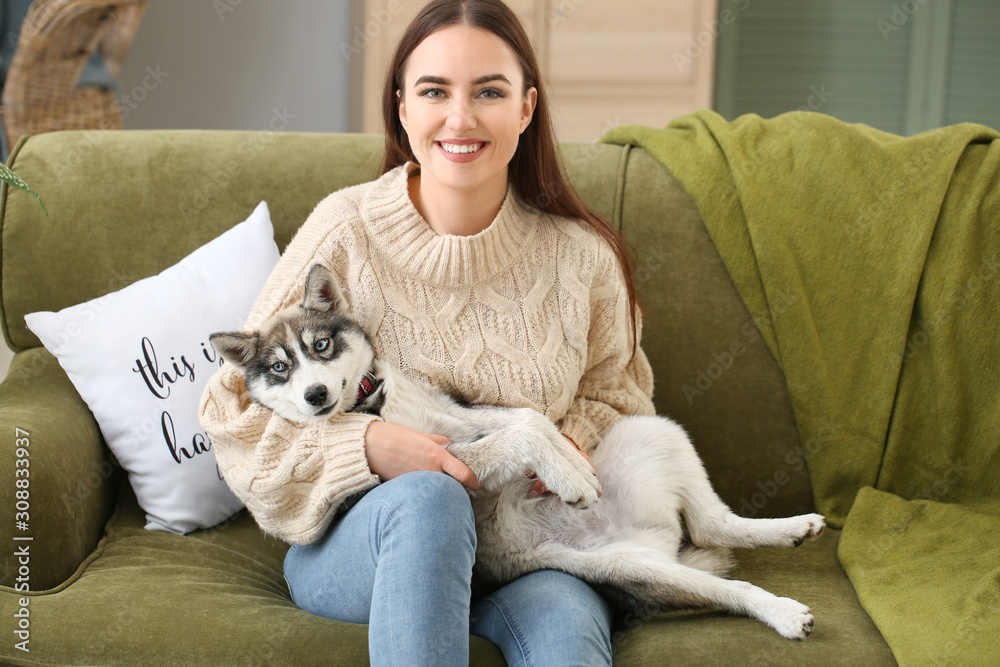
[[715, 560]]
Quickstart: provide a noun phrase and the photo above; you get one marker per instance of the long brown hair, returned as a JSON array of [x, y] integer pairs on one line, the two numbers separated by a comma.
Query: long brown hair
[[534, 171]]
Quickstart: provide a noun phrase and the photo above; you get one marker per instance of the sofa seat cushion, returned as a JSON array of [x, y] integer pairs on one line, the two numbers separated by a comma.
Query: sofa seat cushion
[[213, 597], [219, 597], [844, 633]]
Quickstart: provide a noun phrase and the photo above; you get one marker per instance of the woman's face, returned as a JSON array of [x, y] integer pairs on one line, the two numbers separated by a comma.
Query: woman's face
[[463, 108]]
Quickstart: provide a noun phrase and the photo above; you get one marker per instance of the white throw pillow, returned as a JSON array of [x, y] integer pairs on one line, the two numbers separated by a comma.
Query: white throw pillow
[[140, 358]]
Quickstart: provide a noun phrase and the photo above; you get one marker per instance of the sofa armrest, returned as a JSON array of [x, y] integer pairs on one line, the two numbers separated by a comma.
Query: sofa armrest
[[46, 429]]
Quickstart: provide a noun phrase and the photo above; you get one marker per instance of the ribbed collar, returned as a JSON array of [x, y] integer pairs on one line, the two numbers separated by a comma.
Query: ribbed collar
[[399, 231]]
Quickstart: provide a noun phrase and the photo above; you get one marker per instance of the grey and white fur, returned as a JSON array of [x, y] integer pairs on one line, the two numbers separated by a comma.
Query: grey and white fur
[[309, 360]]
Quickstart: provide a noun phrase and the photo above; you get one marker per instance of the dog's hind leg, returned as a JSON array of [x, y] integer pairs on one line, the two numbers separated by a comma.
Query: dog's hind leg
[[651, 464], [711, 523], [740, 532], [644, 580]]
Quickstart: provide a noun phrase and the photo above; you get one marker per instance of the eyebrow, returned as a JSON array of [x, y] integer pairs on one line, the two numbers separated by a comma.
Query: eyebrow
[[445, 82]]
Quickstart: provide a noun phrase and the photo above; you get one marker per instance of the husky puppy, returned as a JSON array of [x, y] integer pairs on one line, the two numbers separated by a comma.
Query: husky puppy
[[312, 360]]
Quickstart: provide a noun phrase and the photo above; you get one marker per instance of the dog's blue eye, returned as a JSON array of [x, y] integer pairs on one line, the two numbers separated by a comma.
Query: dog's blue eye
[[279, 367], [322, 344]]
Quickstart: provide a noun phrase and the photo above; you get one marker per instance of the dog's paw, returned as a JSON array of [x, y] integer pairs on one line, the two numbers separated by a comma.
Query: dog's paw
[[587, 495], [812, 526], [790, 618], [793, 531], [578, 488], [570, 476]]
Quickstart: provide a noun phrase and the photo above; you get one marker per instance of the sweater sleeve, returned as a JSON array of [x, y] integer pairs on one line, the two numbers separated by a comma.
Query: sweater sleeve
[[290, 477], [614, 383]]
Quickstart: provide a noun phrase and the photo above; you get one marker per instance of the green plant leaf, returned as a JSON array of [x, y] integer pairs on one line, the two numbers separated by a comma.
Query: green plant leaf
[[10, 177]]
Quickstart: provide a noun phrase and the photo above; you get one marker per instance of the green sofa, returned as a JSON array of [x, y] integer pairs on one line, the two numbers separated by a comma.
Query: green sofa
[[126, 205]]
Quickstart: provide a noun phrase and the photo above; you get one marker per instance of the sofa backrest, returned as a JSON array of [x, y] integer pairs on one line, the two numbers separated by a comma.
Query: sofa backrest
[[124, 205]]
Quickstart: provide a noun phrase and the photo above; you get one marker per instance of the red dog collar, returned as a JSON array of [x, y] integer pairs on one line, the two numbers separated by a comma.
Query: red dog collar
[[367, 386]]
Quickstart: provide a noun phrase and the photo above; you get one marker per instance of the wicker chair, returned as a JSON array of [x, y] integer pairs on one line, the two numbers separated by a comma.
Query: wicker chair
[[57, 38]]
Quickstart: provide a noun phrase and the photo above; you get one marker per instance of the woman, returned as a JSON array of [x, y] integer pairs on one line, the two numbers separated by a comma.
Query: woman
[[470, 263]]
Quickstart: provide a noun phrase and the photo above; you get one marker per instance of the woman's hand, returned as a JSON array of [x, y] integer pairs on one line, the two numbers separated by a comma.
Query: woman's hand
[[538, 488], [392, 450]]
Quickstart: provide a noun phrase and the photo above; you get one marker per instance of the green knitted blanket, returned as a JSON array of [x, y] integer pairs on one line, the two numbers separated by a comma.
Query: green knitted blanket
[[885, 252]]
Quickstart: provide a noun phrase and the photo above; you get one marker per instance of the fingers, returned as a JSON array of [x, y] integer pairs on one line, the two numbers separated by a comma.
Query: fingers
[[463, 473], [439, 439], [582, 453], [450, 465], [592, 466], [393, 450], [537, 489]]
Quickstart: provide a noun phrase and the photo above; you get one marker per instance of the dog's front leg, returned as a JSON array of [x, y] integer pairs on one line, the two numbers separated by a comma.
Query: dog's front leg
[[524, 439]]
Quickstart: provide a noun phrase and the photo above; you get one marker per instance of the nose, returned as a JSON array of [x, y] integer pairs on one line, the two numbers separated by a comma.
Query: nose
[[461, 117], [316, 395]]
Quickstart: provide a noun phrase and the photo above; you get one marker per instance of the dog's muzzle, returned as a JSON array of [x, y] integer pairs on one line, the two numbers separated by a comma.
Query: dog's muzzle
[[316, 395]]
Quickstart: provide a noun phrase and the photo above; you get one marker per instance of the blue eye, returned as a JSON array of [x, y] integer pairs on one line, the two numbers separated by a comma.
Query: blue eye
[[322, 344], [433, 93], [279, 367], [492, 94]]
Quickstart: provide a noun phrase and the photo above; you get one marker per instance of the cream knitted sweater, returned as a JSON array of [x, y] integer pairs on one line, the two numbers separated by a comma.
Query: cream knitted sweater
[[531, 312]]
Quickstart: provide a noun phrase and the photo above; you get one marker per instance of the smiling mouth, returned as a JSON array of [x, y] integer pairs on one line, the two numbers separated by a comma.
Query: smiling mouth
[[459, 149]]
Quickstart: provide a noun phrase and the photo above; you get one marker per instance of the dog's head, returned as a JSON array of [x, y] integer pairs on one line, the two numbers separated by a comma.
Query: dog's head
[[306, 361]]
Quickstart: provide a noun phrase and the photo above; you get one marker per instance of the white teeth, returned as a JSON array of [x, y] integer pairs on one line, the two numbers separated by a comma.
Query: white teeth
[[466, 148]]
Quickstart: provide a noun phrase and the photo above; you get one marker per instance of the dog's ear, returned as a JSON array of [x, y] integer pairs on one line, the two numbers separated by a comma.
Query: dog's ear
[[236, 347], [322, 291]]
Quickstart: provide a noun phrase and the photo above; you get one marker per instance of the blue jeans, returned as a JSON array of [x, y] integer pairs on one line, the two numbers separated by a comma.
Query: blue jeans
[[401, 559]]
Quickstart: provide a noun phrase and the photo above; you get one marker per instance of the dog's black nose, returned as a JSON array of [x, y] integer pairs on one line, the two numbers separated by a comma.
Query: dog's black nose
[[316, 395]]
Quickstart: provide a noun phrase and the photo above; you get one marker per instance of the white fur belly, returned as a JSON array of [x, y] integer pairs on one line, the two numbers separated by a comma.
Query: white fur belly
[[510, 528]]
